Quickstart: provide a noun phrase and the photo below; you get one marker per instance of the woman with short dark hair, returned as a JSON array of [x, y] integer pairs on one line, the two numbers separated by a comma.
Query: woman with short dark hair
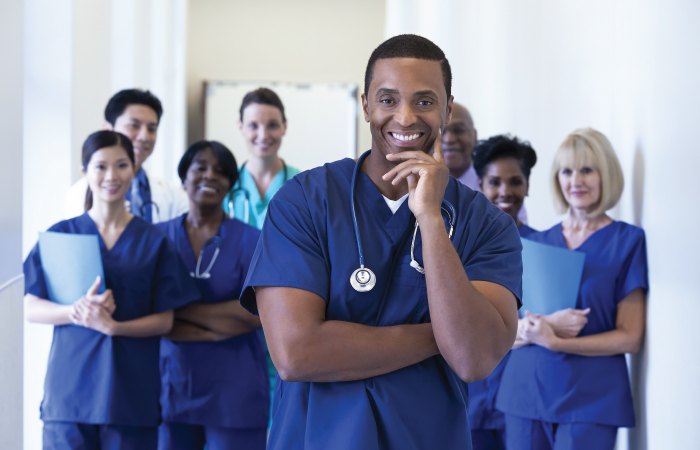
[[215, 389]]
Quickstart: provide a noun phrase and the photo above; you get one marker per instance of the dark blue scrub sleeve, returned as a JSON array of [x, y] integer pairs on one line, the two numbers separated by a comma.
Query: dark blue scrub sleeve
[[635, 271], [497, 257], [290, 253], [34, 282], [172, 285]]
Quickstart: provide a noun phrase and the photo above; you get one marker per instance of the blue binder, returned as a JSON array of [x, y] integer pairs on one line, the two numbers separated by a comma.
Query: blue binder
[[71, 263], [551, 277]]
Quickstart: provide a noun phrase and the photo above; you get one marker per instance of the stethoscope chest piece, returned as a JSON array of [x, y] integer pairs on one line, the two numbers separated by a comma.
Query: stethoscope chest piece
[[363, 279]]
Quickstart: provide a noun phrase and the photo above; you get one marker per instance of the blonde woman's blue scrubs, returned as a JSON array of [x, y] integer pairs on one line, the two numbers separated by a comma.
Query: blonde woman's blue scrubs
[[308, 242], [215, 393], [245, 193], [578, 402], [102, 392]]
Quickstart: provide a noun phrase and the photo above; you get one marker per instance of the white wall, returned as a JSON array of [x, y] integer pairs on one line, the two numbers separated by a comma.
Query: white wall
[[48, 160], [279, 40], [11, 280], [539, 69], [77, 53]]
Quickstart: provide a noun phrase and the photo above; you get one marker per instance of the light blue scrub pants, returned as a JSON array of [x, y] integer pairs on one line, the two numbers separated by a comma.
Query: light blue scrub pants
[[526, 434], [83, 436], [483, 439], [182, 436]]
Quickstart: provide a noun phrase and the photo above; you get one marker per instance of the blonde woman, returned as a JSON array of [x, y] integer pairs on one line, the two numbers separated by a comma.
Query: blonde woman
[[573, 393]]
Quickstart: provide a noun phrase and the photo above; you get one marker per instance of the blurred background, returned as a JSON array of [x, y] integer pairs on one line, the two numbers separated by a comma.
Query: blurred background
[[536, 69]]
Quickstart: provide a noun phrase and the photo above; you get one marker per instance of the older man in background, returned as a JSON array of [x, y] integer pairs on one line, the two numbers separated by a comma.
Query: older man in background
[[458, 142]]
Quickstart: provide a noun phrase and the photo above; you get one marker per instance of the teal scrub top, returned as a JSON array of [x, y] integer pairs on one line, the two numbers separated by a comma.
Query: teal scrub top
[[257, 208]]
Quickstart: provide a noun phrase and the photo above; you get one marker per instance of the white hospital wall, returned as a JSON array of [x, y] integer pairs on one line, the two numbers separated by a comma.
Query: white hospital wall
[[77, 53], [11, 280], [279, 40], [539, 69]]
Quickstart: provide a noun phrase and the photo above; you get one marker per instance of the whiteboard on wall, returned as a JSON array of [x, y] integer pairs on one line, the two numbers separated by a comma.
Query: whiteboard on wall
[[321, 120]]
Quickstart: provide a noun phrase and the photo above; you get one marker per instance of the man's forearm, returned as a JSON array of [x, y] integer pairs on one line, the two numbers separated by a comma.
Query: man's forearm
[[470, 332], [346, 351]]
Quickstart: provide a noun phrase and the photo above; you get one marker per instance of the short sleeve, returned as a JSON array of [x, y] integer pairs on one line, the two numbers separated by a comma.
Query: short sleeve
[[288, 253], [635, 271], [34, 282], [172, 286], [497, 257], [252, 236]]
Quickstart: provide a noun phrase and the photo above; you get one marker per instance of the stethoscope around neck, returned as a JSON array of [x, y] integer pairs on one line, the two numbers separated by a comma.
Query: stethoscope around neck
[[215, 240], [363, 279], [232, 195]]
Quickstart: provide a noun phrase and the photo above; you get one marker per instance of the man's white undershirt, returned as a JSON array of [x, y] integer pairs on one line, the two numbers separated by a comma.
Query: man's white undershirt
[[394, 205]]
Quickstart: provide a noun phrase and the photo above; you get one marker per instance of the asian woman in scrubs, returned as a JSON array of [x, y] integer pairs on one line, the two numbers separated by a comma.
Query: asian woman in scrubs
[[215, 385], [263, 126], [574, 393], [103, 380], [503, 164]]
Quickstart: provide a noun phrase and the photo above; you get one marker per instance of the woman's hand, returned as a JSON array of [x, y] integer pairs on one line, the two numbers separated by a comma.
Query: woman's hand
[[427, 178], [568, 323], [90, 314], [106, 299], [537, 331]]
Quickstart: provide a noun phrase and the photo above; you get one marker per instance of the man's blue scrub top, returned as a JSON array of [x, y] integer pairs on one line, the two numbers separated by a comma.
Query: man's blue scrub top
[[308, 242], [222, 384], [99, 379], [563, 388], [483, 414]]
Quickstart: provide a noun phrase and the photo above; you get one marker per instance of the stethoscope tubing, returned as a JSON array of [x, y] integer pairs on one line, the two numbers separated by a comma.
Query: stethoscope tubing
[[216, 240], [236, 190], [445, 206]]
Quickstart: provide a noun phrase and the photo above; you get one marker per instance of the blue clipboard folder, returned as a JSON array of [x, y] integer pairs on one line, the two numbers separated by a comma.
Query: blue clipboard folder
[[71, 263], [551, 277]]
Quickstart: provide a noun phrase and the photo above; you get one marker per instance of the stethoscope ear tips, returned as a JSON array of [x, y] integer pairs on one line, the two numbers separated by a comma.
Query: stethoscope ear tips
[[417, 266]]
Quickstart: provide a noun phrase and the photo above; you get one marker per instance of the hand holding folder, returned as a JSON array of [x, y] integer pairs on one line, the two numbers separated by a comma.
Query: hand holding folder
[[71, 263], [551, 277]]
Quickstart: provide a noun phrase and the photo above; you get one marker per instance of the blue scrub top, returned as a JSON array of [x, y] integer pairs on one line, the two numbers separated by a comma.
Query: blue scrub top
[[225, 383], [525, 230], [565, 388], [308, 242], [245, 186], [483, 414], [98, 379]]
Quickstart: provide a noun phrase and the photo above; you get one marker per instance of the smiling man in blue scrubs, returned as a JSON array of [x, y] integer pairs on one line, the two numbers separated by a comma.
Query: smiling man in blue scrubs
[[383, 368]]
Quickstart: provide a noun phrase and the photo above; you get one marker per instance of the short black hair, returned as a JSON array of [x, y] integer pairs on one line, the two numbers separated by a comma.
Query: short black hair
[[119, 101], [503, 146], [223, 154], [410, 46], [263, 96]]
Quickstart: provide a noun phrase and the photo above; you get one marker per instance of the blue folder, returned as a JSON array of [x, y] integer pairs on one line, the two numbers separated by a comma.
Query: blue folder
[[71, 263], [551, 277]]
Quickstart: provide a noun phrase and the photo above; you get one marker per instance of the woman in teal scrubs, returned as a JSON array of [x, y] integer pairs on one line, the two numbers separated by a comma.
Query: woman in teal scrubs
[[263, 125]]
